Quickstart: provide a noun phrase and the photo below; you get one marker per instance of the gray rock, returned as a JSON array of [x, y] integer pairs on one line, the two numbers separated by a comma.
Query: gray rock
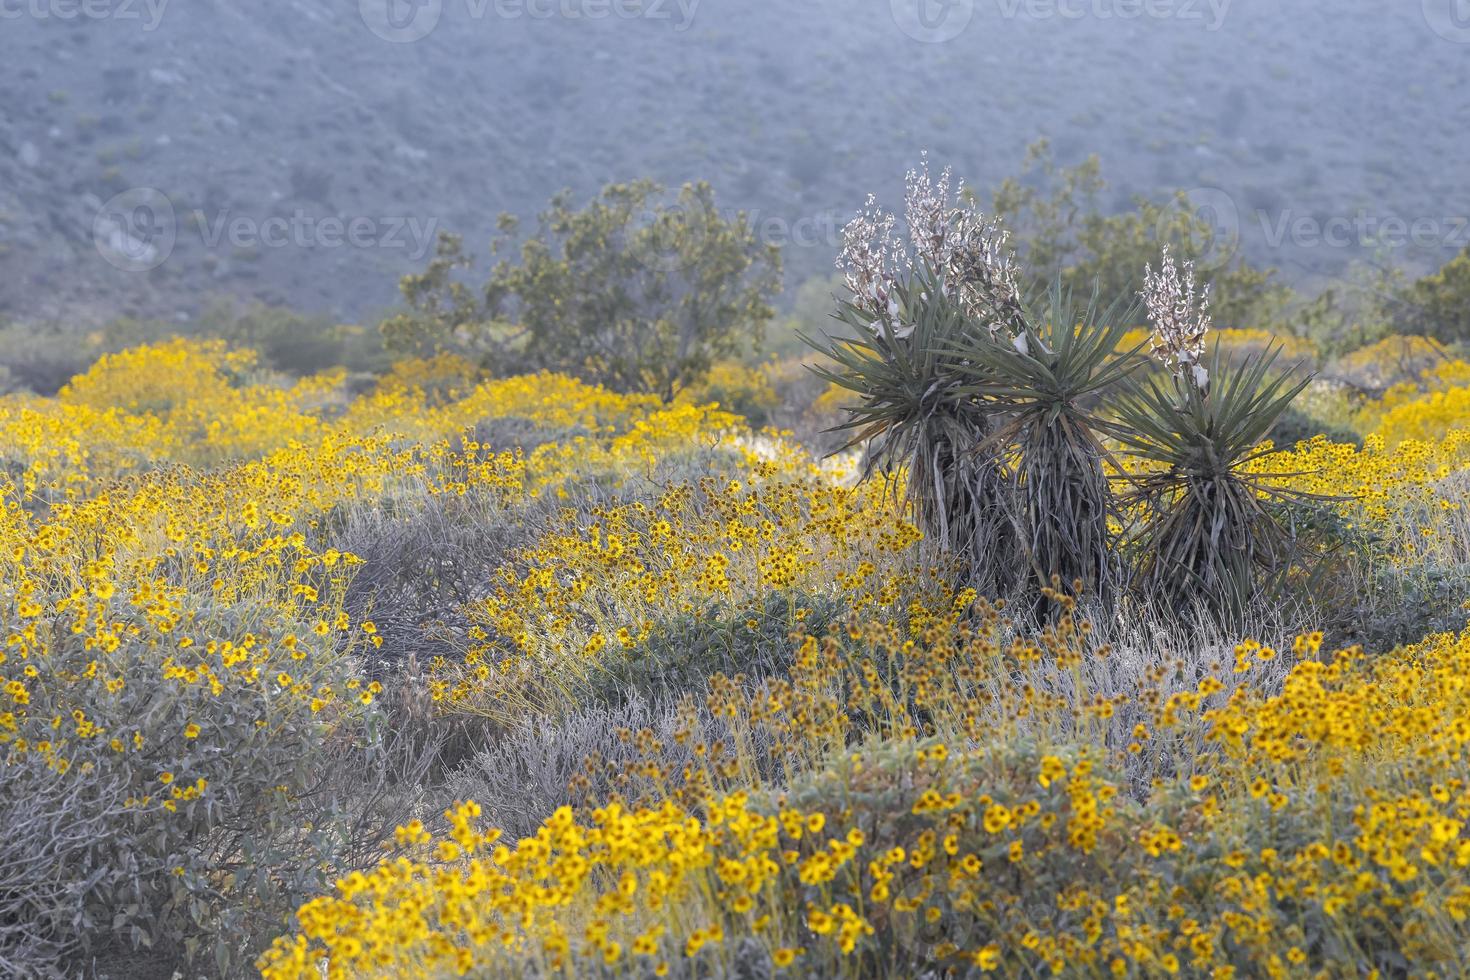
[[165, 76]]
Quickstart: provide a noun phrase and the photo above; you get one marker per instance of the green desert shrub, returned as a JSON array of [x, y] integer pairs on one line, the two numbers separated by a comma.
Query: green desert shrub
[[293, 342], [1295, 425], [288, 341], [753, 639], [41, 358], [1438, 305], [1062, 232], [633, 292]]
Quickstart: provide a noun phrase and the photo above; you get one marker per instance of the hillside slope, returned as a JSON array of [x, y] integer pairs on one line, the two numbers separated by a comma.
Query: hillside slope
[[258, 129]]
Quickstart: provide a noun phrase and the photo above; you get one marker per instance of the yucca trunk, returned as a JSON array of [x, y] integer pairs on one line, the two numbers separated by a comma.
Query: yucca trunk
[[960, 495], [1211, 536], [1063, 498], [1214, 543]]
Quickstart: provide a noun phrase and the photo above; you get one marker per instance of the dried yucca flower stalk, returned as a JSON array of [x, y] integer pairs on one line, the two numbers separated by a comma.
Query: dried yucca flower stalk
[[871, 258], [1179, 312], [967, 252]]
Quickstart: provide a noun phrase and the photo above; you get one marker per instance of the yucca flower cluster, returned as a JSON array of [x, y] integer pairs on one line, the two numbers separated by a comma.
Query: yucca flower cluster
[[966, 252], [1178, 310]]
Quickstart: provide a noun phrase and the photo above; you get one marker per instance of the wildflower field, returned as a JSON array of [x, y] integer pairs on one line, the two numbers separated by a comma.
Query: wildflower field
[[446, 675]]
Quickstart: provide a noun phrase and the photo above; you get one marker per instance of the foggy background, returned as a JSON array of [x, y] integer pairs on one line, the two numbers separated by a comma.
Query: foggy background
[[305, 152]]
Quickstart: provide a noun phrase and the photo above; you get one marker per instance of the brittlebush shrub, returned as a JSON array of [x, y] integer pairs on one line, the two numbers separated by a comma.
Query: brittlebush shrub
[[888, 778], [1398, 567], [189, 738], [158, 378], [936, 814], [1395, 359], [589, 604], [736, 387], [208, 401], [436, 380], [1428, 411], [207, 753]]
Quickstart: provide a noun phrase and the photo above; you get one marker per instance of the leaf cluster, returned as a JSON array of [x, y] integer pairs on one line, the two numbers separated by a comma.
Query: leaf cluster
[[1213, 525], [1000, 432], [631, 291], [1006, 443]]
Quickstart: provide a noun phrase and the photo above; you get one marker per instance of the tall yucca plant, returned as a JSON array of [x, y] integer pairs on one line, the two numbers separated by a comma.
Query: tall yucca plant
[[1211, 533], [917, 414], [912, 304], [1047, 384]]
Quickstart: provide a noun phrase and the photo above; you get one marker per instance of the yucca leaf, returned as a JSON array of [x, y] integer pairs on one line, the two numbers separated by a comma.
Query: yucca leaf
[[1206, 525]]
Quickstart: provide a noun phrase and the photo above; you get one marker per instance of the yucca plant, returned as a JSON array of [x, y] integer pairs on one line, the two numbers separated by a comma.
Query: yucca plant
[[1211, 532], [915, 413], [912, 306], [1046, 385]]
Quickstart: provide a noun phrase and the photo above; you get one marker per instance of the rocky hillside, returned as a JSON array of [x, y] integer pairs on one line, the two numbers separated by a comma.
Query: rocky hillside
[[306, 151]]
